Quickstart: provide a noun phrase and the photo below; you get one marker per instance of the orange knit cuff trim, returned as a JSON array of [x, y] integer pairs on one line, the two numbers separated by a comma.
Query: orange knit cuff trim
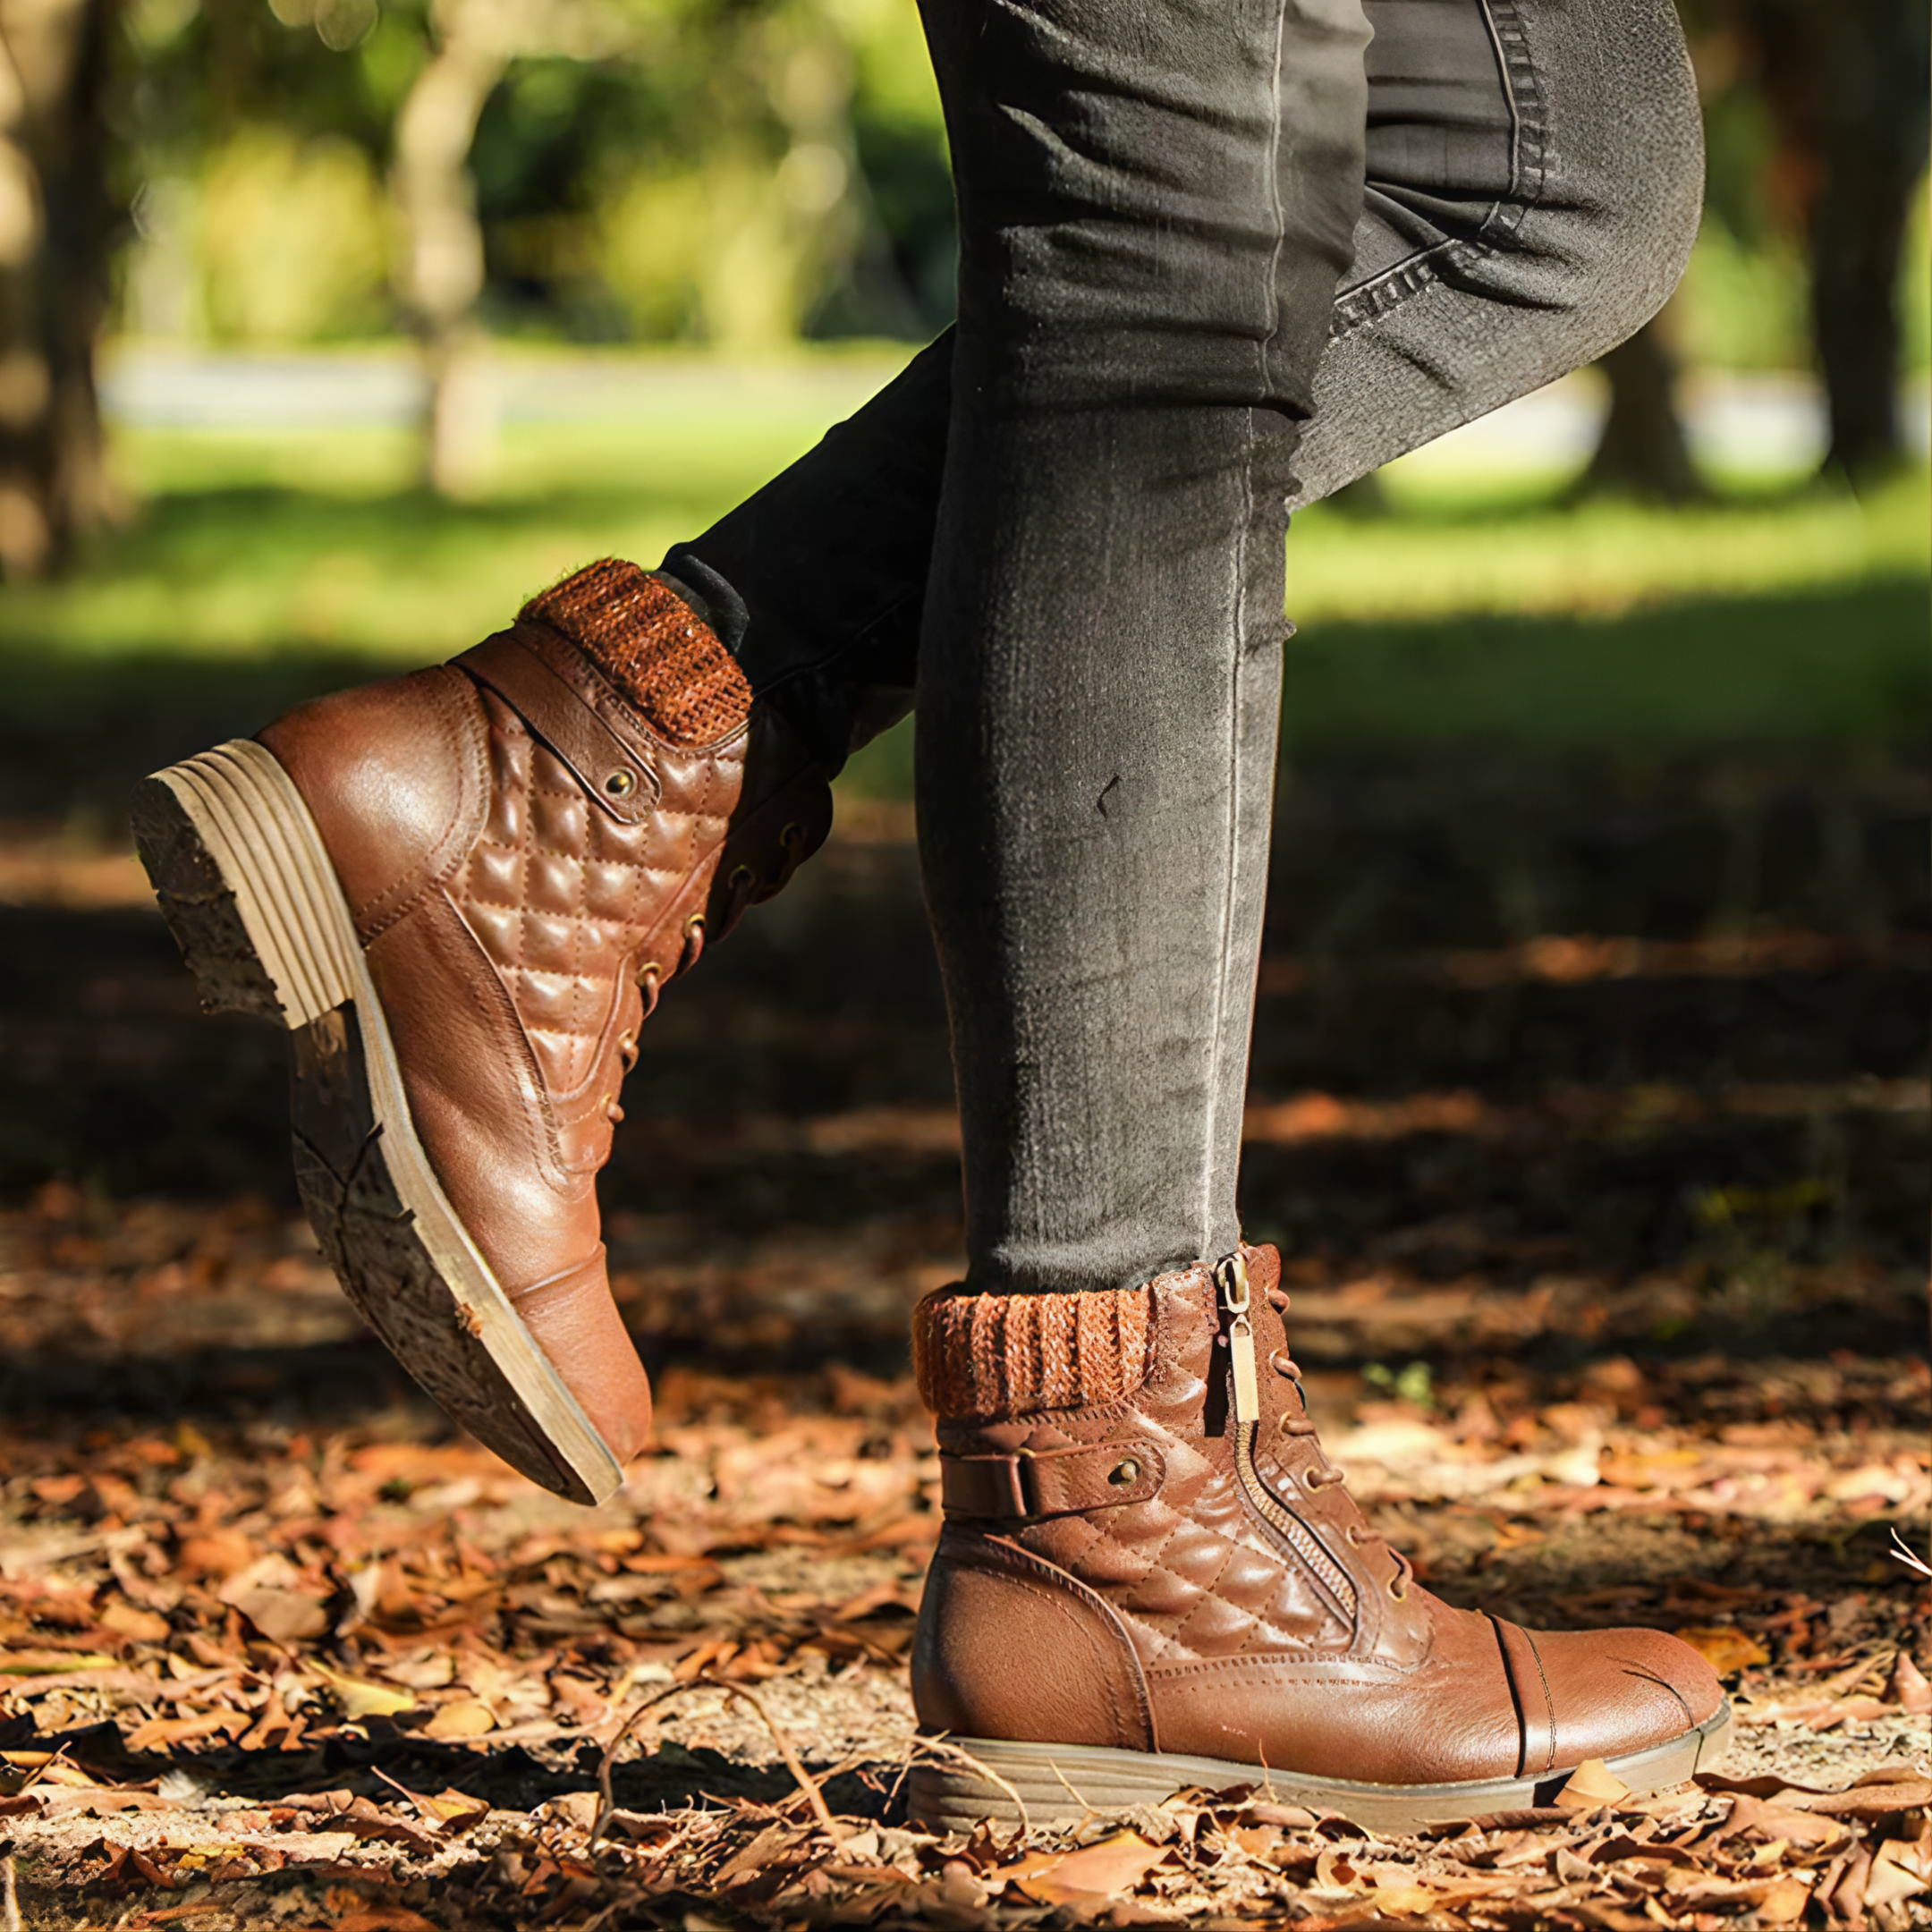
[[652, 645], [1005, 1355]]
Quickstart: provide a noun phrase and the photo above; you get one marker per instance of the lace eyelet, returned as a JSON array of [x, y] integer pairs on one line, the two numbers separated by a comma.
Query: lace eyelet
[[1353, 1536], [793, 831], [1124, 1473], [743, 875], [651, 971], [621, 784], [695, 923], [1397, 1593]]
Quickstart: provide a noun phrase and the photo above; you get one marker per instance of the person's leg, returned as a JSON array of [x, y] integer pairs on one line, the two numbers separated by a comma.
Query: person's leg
[[1153, 219], [1535, 174], [1533, 186]]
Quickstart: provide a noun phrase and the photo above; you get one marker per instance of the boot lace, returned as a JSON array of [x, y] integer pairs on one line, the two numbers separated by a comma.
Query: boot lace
[[741, 889], [1327, 1475]]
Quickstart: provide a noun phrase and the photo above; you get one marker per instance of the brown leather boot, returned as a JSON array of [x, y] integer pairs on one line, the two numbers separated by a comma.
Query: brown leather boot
[[1150, 1581], [461, 892]]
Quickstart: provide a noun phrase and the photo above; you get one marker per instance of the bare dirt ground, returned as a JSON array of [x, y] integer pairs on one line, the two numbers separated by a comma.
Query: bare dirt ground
[[1589, 1107]]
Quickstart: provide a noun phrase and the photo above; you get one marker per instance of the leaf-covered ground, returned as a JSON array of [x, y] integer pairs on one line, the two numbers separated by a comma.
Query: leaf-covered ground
[[1599, 1160]]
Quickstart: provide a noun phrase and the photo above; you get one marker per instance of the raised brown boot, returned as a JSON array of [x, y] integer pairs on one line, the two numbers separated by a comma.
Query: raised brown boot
[[1151, 1581], [462, 891]]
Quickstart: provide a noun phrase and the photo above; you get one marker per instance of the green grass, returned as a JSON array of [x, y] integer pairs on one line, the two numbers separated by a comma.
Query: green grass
[[261, 568]]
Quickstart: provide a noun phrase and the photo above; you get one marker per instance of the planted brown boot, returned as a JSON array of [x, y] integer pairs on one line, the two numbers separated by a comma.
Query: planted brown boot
[[1151, 1581], [461, 892]]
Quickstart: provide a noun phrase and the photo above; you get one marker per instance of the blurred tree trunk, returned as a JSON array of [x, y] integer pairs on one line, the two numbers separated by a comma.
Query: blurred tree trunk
[[58, 221], [1849, 88], [1642, 451], [441, 272], [442, 268], [1872, 136]]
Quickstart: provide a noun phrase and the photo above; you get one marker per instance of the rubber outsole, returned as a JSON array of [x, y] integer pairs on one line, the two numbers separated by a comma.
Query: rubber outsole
[[247, 888], [1062, 1784]]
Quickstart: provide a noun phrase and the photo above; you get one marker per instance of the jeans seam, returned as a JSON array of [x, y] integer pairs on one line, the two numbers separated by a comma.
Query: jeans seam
[[1530, 155], [1231, 825]]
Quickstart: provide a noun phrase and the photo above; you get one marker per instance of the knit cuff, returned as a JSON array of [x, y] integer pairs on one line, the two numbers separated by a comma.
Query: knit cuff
[[652, 645], [1006, 1355]]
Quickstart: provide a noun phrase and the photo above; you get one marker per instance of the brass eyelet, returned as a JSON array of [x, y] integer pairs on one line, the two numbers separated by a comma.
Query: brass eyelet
[[742, 873], [621, 784], [793, 830], [652, 970], [1354, 1535], [1397, 1595], [1125, 1472], [695, 923]]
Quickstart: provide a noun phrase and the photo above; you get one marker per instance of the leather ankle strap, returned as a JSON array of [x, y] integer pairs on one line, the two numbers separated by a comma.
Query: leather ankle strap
[[1052, 1482], [611, 761]]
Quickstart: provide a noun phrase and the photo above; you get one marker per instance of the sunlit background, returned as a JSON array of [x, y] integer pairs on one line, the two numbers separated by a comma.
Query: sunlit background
[[330, 328]]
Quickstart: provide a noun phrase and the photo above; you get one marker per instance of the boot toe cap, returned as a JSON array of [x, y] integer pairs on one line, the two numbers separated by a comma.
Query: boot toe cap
[[1612, 1693]]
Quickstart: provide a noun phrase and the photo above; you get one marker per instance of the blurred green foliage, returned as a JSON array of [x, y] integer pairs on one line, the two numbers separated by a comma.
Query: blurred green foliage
[[740, 175], [269, 566], [745, 173]]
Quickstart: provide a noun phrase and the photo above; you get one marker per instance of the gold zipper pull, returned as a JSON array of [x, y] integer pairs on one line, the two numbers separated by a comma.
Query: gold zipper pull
[[1230, 1277]]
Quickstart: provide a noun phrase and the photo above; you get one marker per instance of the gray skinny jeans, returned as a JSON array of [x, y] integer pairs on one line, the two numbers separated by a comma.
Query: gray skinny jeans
[[1216, 261]]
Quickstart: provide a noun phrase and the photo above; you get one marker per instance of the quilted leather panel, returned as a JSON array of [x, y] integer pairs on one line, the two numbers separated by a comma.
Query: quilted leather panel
[[1194, 1574], [562, 895]]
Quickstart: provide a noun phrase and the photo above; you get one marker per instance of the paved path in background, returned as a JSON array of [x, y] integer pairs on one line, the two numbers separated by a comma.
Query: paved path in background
[[1738, 423]]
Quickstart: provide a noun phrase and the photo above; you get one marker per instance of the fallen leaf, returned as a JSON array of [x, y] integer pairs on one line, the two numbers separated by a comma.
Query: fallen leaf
[[1872, 1800], [158, 1733], [465, 1718], [1784, 1903], [1907, 1688], [145, 1626], [1103, 1871], [359, 1699], [455, 1810], [1898, 1872], [282, 1615], [1768, 1820], [1722, 1647], [1592, 1783]]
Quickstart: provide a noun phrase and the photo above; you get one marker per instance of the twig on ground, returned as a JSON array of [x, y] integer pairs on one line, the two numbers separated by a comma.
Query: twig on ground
[[945, 1748], [813, 1795], [1903, 1552]]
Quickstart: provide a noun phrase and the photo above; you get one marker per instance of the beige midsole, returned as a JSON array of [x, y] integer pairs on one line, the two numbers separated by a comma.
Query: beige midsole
[[1055, 1781], [259, 832]]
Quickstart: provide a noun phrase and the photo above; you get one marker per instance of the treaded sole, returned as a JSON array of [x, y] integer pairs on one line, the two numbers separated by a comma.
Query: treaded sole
[[247, 888], [1062, 1784]]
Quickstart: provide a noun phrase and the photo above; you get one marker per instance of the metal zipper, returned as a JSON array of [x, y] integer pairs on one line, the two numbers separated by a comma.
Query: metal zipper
[[1230, 1277]]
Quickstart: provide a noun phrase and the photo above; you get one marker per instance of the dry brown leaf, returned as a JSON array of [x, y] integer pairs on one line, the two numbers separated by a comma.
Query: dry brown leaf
[[160, 1733], [1724, 1647], [1592, 1783], [144, 1626], [466, 1717], [1784, 1903], [1768, 1820], [1873, 1801], [1907, 1688], [1900, 1869], [283, 1616], [359, 1699], [454, 1810], [383, 1918], [1098, 1871]]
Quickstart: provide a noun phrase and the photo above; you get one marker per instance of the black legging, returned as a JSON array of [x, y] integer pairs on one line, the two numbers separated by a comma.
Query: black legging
[[1216, 262]]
